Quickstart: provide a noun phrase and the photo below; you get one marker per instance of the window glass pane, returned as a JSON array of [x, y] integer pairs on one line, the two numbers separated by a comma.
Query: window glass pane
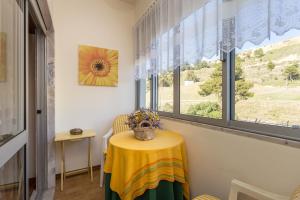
[[144, 93], [12, 177], [201, 89], [267, 81], [148, 96], [11, 68], [165, 91]]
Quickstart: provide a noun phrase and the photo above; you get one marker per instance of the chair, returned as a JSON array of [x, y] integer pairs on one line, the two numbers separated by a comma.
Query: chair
[[206, 197], [119, 125], [243, 191], [240, 190]]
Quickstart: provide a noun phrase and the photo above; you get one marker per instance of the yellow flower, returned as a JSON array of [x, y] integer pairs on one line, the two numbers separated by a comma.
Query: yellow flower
[[98, 66]]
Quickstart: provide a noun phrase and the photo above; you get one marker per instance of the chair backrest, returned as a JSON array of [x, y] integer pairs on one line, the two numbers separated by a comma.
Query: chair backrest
[[119, 124], [243, 191]]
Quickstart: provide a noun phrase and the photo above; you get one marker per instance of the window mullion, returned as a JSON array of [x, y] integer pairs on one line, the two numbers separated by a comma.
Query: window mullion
[[154, 92], [227, 87], [232, 85], [176, 88], [151, 92], [137, 94], [176, 72]]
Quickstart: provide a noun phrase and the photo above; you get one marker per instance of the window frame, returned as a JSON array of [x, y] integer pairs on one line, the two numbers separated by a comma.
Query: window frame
[[282, 132], [228, 105]]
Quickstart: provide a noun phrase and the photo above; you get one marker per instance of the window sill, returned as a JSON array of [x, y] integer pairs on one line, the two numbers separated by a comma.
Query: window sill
[[254, 135]]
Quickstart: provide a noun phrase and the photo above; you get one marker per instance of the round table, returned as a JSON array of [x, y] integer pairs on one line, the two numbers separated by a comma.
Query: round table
[[136, 166]]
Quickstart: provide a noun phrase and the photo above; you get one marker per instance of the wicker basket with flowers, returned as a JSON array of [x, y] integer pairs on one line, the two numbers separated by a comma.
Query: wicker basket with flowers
[[143, 122]]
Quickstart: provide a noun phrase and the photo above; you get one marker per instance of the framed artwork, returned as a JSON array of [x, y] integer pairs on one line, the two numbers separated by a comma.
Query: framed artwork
[[98, 66], [3, 51]]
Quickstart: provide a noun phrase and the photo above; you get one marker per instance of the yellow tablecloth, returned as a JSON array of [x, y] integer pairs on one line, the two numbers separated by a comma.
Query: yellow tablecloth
[[136, 166]]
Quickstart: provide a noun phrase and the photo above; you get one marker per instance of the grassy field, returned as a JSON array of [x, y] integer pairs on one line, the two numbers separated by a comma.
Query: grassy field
[[275, 100]]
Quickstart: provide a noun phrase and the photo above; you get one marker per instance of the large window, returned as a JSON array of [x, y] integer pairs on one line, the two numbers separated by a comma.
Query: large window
[[240, 72], [265, 86], [267, 81]]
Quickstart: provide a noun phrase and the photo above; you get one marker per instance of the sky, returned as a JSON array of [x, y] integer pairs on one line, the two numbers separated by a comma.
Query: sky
[[273, 39]]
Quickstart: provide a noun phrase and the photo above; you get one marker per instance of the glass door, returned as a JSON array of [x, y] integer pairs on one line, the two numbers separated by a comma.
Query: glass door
[[13, 136]]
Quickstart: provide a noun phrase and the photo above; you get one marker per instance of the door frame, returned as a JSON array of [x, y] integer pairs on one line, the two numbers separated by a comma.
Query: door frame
[[45, 171], [39, 11], [40, 109]]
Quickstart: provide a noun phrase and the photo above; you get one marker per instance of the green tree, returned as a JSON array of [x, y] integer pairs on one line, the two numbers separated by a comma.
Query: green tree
[[185, 66], [259, 53], [238, 69], [167, 107], [291, 72], [165, 79], [242, 88], [214, 84], [202, 64], [207, 109], [270, 65], [191, 76]]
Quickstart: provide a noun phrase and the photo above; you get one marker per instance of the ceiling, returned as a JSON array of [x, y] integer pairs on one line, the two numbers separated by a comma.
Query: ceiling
[[130, 1]]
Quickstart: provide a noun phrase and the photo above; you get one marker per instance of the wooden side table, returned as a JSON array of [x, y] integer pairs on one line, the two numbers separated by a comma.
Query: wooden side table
[[66, 136]]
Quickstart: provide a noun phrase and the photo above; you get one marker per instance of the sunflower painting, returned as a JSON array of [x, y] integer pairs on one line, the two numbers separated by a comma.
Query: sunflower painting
[[98, 66], [2, 57]]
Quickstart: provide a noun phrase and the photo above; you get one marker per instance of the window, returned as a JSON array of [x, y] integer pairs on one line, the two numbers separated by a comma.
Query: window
[[12, 73], [165, 91], [267, 81], [201, 89], [254, 85]]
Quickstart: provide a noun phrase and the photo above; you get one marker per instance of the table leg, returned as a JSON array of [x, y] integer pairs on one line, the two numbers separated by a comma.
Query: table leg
[[62, 167], [90, 159], [64, 160]]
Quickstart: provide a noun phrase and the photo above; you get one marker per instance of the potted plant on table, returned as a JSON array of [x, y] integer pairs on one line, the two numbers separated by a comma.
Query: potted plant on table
[[143, 122]]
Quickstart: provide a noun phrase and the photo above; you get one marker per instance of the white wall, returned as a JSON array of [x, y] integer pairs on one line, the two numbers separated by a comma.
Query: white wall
[[101, 23], [216, 157]]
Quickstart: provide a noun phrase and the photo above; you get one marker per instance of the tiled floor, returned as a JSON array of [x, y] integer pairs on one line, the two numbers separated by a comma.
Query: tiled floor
[[80, 187]]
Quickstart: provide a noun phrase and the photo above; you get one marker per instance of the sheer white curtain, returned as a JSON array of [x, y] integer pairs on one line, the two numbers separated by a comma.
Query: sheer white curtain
[[176, 32], [179, 32], [254, 20]]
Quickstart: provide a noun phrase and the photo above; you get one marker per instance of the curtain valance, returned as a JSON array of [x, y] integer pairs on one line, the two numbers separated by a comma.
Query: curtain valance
[[173, 33]]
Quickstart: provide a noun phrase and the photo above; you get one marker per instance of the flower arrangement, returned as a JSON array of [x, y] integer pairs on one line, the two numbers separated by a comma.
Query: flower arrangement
[[134, 119]]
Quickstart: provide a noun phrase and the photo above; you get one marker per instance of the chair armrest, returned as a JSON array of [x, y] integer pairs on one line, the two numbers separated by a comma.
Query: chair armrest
[[252, 191], [105, 139]]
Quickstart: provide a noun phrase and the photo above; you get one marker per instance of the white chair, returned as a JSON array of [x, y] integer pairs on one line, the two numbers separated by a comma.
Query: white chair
[[240, 191], [243, 191], [119, 125]]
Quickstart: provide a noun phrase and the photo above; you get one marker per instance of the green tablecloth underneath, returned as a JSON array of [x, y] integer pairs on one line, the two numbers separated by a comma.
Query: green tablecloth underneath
[[165, 191]]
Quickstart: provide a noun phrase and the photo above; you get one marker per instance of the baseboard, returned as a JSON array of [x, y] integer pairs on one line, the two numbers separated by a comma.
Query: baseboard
[[78, 171], [9, 186]]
